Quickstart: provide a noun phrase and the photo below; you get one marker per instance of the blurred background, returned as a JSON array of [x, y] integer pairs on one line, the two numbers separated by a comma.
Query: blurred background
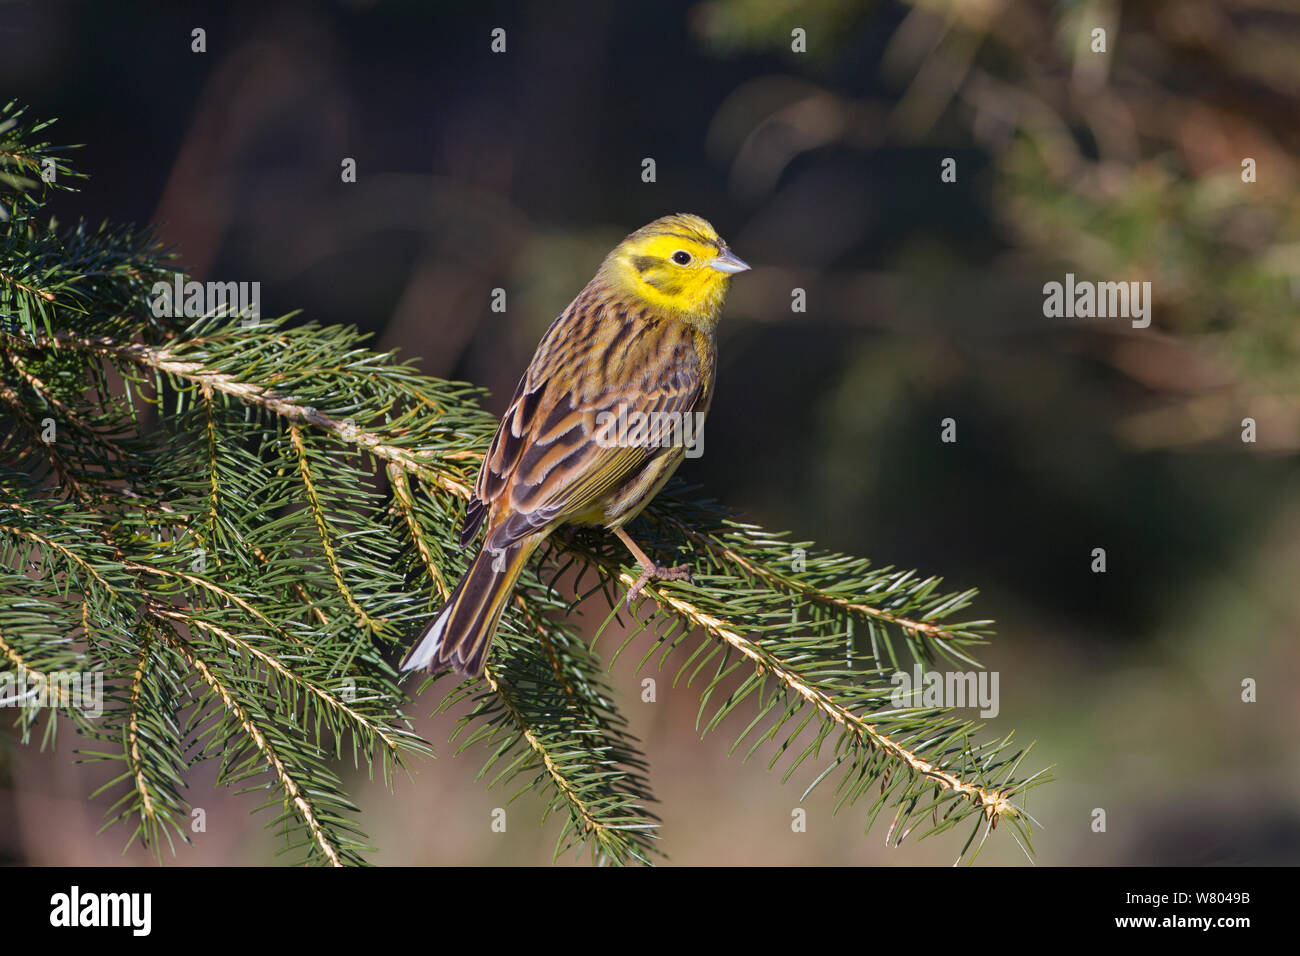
[[924, 302]]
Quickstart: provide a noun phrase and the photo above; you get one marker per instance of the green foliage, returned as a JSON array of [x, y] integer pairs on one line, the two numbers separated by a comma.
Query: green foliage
[[240, 523]]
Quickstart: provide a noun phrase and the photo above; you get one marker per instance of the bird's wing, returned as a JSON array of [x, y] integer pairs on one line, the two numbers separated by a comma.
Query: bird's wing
[[561, 447]]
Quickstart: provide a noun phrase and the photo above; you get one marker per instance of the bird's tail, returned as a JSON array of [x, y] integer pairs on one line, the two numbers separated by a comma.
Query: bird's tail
[[461, 634]]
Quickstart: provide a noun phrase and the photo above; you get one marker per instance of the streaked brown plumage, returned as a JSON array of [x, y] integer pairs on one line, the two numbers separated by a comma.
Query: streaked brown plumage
[[639, 337]]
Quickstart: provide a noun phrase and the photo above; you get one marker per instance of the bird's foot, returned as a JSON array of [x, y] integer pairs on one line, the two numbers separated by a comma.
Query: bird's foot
[[657, 572]]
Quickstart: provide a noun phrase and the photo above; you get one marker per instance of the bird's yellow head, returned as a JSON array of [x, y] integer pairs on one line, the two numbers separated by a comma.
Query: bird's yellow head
[[679, 264]]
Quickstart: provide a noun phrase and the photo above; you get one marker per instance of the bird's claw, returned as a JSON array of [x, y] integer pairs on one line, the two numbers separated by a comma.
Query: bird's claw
[[658, 572]]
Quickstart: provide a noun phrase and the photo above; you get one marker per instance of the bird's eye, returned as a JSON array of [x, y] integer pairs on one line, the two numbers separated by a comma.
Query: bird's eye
[[681, 257]]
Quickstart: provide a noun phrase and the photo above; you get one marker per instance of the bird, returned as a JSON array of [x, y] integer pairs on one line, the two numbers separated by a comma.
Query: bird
[[580, 442]]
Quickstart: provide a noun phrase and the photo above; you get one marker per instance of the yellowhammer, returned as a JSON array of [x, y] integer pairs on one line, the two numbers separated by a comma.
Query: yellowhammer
[[596, 425]]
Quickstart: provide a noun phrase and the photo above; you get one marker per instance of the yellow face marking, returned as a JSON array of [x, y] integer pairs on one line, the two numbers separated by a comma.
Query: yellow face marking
[[667, 266]]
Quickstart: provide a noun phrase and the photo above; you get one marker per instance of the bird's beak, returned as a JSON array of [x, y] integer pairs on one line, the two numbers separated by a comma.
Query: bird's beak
[[728, 262]]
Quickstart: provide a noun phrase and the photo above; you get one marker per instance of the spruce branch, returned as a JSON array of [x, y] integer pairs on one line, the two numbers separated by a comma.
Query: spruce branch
[[730, 550], [243, 563], [254, 729]]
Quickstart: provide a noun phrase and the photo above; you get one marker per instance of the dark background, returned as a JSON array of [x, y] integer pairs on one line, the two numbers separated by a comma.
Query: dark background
[[521, 170]]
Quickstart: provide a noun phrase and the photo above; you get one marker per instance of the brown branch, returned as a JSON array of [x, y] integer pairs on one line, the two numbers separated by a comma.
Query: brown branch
[[299, 590], [273, 664], [322, 527], [48, 296], [133, 733], [58, 461], [164, 361], [406, 504], [993, 802], [41, 389], [65, 551], [10, 653], [799, 587], [590, 823], [254, 732], [214, 497]]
